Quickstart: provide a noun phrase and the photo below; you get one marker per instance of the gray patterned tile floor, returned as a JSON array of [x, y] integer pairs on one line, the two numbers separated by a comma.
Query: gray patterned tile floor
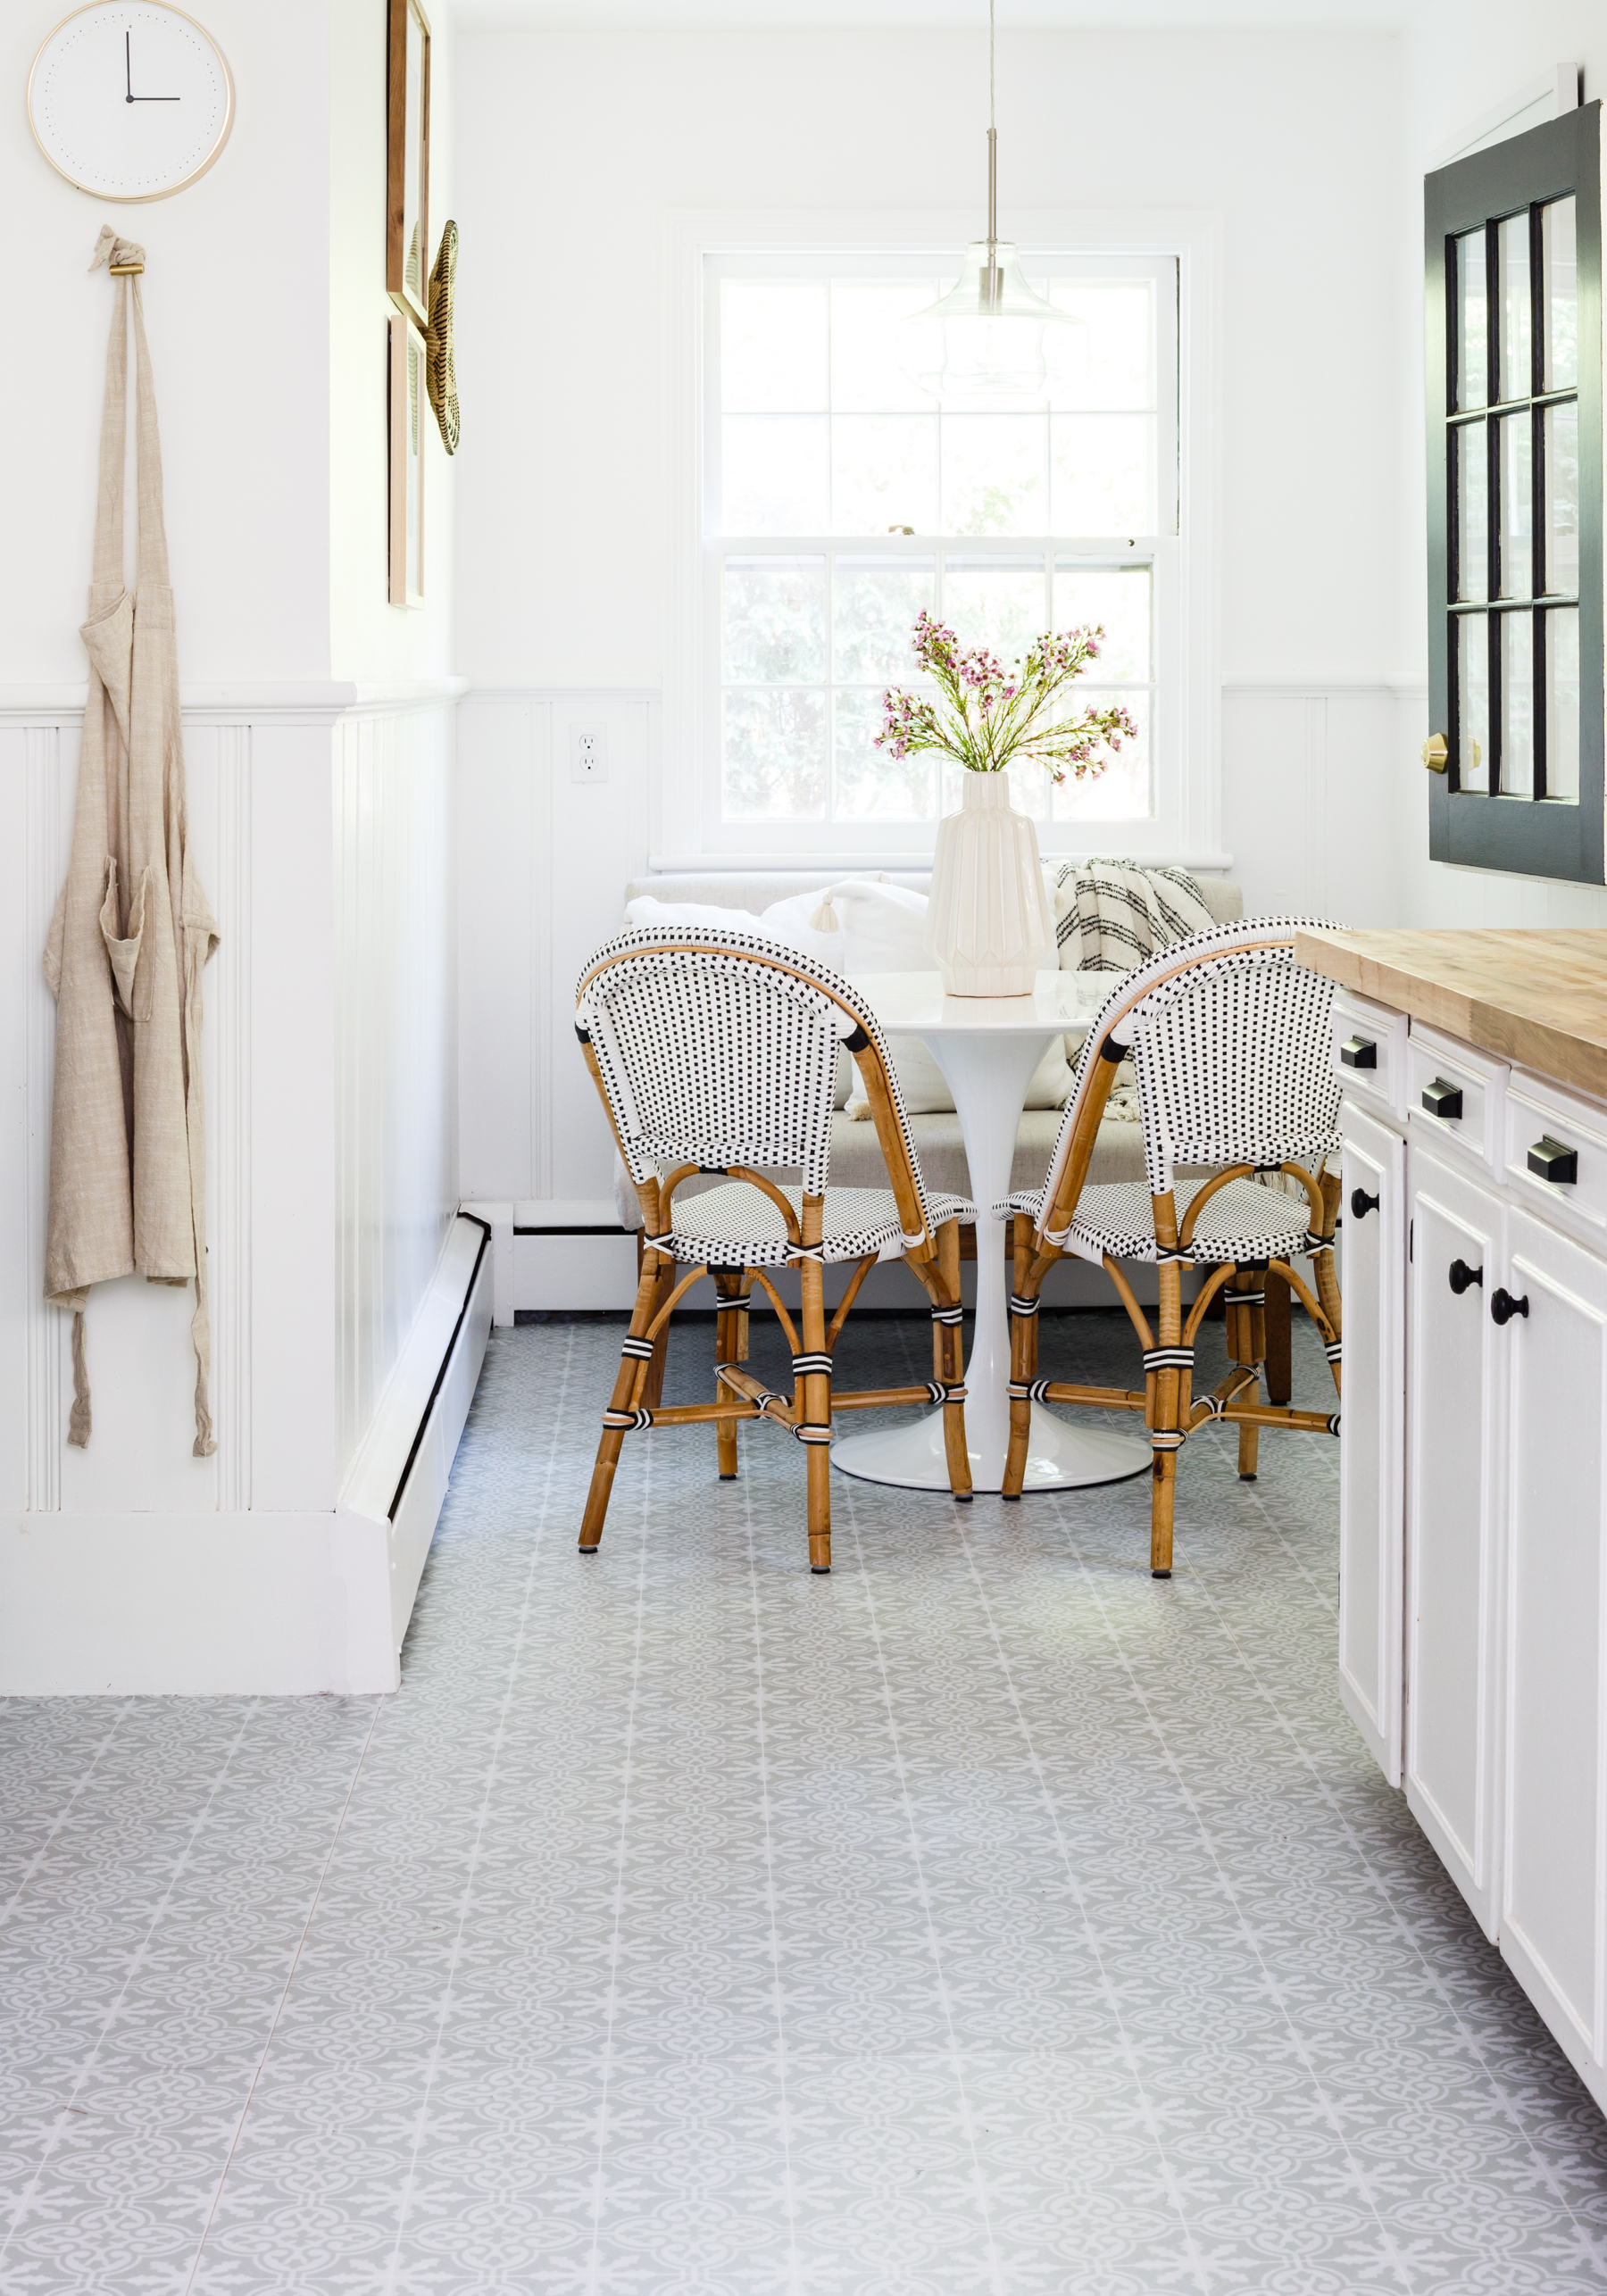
[[985, 1918]]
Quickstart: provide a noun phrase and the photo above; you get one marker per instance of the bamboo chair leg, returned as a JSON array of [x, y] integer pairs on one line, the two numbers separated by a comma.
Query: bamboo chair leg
[[622, 1399], [1280, 1362], [1247, 1346], [653, 1386], [1165, 1425], [948, 1363], [730, 1346], [813, 1395], [1023, 1359]]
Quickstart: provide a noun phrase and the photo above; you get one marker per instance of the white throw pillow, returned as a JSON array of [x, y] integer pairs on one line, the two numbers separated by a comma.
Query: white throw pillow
[[645, 910]]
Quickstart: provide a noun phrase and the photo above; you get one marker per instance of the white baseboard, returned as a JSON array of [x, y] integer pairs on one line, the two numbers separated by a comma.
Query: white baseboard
[[250, 1604]]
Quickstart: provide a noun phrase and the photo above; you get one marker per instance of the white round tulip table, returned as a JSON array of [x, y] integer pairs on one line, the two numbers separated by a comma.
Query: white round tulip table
[[987, 1048]]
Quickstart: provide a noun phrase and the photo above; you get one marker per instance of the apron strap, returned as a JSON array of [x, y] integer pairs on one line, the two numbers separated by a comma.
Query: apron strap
[[107, 572], [153, 560]]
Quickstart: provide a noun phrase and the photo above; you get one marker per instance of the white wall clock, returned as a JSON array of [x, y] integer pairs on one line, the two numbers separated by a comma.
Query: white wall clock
[[130, 99]]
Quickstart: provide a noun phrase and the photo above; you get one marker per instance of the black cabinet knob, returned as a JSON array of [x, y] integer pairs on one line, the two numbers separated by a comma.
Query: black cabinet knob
[[1361, 1204], [1551, 1160], [1461, 1276], [1359, 1052], [1503, 1307], [1442, 1098]]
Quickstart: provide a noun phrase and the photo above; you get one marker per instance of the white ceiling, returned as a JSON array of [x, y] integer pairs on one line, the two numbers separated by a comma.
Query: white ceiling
[[866, 16]]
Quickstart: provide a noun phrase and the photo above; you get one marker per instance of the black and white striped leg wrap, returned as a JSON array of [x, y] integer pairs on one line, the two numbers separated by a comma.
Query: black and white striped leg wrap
[[1167, 1438], [660, 1244], [1335, 1350], [795, 1253], [1175, 1258], [637, 1351], [1246, 1299], [803, 1363], [1314, 1244], [950, 1316], [1169, 1358], [1333, 1425], [761, 1404], [1215, 1405], [628, 1419], [1020, 1307], [1030, 1391], [812, 1435], [939, 1393]]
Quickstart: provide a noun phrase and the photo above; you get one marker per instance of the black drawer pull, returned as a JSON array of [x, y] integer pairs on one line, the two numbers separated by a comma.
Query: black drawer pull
[[1359, 1052], [1361, 1204], [1503, 1307], [1442, 1098], [1551, 1160], [1461, 1276]]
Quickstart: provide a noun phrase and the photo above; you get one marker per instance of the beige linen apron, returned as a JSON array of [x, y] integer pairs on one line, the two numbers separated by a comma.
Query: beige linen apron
[[132, 929]]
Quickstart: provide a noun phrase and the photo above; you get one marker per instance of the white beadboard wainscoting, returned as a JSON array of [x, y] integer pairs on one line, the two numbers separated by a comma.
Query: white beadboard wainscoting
[[323, 821], [1312, 772]]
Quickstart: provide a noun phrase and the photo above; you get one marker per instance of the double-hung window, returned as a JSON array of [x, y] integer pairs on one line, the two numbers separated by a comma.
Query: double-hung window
[[838, 500]]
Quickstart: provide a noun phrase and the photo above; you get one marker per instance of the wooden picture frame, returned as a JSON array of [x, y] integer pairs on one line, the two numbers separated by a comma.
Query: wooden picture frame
[[408, 401], [407, 171]]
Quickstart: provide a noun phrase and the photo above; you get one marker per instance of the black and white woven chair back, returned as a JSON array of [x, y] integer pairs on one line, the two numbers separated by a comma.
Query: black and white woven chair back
[[719, 1048], [1235, 1065], [1113, 1028]]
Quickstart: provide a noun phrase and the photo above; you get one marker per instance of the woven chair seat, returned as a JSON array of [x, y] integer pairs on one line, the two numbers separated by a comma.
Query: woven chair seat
[[1242, 1221], [737, 1225]]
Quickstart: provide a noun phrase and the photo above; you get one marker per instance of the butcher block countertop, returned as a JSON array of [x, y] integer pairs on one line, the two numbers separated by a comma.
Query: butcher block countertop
[[1537, 999]]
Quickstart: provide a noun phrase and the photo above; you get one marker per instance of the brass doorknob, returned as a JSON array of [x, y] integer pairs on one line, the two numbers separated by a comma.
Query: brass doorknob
[[1437, 753]]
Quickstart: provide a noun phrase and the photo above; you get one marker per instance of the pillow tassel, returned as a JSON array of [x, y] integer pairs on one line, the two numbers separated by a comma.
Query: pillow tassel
[[825, 918]]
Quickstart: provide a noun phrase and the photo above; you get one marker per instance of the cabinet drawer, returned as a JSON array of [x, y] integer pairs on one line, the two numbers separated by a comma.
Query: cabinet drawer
[[1369, 1053], [1455, 1093], [1555, 1153]]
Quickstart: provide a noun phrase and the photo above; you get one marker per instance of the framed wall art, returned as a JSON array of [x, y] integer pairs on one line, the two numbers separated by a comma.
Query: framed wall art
[[408, 399], [407, 187]]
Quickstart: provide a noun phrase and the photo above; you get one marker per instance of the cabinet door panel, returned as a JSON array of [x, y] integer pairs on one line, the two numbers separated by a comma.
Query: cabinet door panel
[[1555, 1373], [1371, 1488], [1453, 1523]]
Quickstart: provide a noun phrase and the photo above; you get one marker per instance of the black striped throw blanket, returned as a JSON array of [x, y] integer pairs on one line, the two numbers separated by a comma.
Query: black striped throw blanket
[[1112, 915]]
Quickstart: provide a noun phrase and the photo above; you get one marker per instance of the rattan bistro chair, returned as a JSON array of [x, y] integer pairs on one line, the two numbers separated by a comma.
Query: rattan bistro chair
[[1230, 1045], [716, 1051]]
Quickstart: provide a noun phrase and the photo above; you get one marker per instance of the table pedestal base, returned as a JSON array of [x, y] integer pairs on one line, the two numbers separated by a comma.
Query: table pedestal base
[[1058, 1456]]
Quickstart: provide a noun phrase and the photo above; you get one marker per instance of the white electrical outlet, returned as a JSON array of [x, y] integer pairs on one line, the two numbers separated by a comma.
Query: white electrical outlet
[[589, 753]]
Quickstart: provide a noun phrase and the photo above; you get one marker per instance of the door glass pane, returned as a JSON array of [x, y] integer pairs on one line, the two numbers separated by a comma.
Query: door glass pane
[[775, 619], [869, 784], [775, 477], [1472, 633], [1563, 498], [1517, 370], [1516, 433], [884, 473], [1469, 449], [998, 605], [774, 754], [1561, 298], [1085, 596], [875, 603], [1562, 704], [1472, 339], [1517, 705]]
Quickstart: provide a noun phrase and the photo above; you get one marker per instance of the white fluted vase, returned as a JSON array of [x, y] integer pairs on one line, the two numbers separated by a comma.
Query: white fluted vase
[[989, 925]]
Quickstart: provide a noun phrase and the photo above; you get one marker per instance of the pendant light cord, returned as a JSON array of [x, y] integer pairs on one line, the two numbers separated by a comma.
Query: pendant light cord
[[993, 148]]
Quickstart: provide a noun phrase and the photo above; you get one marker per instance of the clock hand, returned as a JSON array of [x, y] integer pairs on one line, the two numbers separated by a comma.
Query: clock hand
[[128, 73]]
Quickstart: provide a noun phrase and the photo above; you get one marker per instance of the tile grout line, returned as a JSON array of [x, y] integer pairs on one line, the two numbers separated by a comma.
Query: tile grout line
[[323, 1873], [1151, 2119], [967, 2117], [421, 2120], [599, 2180], [136, 1963], [794, 2260], [30, 1870], [1436, 1984]]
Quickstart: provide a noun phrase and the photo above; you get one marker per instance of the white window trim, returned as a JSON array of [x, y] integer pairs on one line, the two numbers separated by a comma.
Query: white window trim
[[1187, 830]]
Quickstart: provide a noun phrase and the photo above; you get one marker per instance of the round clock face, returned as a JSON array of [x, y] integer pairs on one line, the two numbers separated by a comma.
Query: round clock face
[[130, 99]]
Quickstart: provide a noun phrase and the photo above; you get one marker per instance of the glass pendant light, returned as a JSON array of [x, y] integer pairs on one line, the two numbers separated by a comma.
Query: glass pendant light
[[984, 343]]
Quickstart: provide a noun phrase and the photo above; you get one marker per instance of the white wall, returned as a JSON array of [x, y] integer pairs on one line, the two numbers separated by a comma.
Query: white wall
[[1464, 61]]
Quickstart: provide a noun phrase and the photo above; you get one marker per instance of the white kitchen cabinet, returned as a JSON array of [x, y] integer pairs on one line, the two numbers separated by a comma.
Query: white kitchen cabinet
[[1553, 1919], [1473, 1517], [1453, 1518], [1371, 1429]]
